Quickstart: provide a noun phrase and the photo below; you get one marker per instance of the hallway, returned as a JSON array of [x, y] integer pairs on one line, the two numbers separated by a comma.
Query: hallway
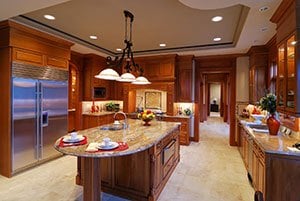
[[210, 170]]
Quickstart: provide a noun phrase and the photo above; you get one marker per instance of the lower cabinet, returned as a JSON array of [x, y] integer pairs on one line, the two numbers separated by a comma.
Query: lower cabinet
[[276, 175], [140, 176], [185, 128], [90, 121]]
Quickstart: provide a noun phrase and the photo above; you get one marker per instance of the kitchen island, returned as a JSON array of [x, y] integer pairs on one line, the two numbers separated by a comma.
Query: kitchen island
[[272, 167], [139, 172]]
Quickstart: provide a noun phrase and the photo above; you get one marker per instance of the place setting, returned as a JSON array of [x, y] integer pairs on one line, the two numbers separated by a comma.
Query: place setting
[[106, 145], [73, 139]]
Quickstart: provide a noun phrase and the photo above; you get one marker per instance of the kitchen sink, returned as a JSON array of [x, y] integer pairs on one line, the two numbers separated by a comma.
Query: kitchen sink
[[112, 127]]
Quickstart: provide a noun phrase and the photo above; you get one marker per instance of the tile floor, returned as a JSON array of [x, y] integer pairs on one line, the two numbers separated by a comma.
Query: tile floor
[[210, 170]]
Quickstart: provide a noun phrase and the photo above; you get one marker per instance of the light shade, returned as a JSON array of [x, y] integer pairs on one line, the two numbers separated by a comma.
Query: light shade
[[141, 80], [108, 74], [126, 77]]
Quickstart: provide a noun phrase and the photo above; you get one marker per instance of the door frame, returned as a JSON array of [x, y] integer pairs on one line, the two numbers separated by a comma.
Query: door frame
[[217, 64]]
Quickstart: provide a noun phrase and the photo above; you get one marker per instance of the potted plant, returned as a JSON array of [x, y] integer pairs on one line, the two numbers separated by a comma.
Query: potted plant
[[268, 103], [110, 106]]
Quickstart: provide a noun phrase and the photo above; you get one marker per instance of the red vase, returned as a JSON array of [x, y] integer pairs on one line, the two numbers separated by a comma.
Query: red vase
[[273, 124]]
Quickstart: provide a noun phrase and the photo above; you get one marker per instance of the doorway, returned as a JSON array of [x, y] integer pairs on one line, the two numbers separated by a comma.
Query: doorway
[[222, 70], [214, 96]]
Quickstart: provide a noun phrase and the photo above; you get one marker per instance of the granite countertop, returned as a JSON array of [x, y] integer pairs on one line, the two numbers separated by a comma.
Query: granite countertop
[[137, 136], [98, 113], [274, 144], [176, 116]]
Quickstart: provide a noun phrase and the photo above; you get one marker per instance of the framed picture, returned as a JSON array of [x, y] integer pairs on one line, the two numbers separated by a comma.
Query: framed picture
[[152, 100]]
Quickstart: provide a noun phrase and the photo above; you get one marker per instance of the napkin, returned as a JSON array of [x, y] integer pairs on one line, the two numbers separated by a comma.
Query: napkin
[[294, 149], [93, 147]]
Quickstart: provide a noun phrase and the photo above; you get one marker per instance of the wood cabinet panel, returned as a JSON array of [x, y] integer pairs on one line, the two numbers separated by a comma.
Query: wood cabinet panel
[[57, 62], [93, 64], [27, 56], [90, 121], [184, 79], [257, 72]]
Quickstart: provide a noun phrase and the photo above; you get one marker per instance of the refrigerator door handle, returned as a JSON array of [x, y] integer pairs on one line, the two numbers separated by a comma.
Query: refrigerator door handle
[[45, 118]]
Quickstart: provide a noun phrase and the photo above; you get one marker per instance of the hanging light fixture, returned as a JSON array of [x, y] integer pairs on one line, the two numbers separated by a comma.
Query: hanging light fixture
[[127, 57]]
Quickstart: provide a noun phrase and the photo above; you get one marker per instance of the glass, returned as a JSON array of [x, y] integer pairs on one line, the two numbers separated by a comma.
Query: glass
[[290, 96]]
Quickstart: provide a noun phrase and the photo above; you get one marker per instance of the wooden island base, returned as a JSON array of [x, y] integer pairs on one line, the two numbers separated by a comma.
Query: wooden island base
[[139, 176]]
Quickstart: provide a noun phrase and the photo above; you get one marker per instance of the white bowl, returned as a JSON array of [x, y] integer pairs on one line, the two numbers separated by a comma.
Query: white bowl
[[258, 117]]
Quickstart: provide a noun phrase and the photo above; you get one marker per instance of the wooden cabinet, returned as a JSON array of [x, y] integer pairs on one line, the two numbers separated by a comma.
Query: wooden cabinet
[[158, 68], [287, 77], [185, 128], [257, 73], [258, 174], [23, 45], [275, 175], [90, 121], [140, 176], [184, 79], [93, 64]]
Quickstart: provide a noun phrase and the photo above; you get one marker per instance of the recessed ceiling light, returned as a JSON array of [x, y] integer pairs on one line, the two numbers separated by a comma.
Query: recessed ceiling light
[[162, 45], [217, 39], [119, 49], [93, 37], [264, 8], [293, 43], [49, 17], [217, 19]]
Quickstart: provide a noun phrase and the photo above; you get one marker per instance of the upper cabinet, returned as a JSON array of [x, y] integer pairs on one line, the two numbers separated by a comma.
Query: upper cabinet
[[184, 79], [286, 85], [30, 46], [158, 68], [257, 75], [288, 76], [94, 88]]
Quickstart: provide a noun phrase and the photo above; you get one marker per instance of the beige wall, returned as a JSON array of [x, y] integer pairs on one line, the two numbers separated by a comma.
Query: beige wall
[[215, 93], [242, 79]]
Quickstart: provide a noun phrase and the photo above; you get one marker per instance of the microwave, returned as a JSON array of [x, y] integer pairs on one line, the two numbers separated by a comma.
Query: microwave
[[99, 92]]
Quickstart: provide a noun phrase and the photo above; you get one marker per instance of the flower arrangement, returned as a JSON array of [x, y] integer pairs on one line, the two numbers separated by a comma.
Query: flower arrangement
[[268, 103], [146, 115]]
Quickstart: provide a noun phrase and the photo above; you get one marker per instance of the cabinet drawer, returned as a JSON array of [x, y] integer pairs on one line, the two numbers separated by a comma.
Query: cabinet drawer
[[28, 56]]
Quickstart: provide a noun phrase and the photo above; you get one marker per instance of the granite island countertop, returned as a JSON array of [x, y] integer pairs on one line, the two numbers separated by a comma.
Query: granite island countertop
[[273, 144], [137, 136]]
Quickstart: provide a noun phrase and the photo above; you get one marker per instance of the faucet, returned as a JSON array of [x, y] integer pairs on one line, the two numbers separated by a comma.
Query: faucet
[[125, 124]]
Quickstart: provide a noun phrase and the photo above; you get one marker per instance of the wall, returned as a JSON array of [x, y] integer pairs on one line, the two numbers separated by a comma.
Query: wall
[[215, 93], [242, 79]]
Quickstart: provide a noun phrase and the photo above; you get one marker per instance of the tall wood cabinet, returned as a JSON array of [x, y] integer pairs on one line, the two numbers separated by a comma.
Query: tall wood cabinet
[[184, 79], [288, 76], [257, 73], [94, 88], [23, 45]]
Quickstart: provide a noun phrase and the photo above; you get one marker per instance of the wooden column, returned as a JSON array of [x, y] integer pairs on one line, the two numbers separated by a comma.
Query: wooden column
[[92, 179]]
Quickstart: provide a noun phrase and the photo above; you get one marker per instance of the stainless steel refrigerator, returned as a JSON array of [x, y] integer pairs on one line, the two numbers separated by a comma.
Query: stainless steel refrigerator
[[39, 117]]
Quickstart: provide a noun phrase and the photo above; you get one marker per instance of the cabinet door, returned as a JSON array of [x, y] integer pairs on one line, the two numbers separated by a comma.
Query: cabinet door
[[27, 56], [291, 81], [184, 93]]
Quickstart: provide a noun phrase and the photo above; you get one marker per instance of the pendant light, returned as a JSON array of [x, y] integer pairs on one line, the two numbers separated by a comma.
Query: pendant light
[[127, 55]]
